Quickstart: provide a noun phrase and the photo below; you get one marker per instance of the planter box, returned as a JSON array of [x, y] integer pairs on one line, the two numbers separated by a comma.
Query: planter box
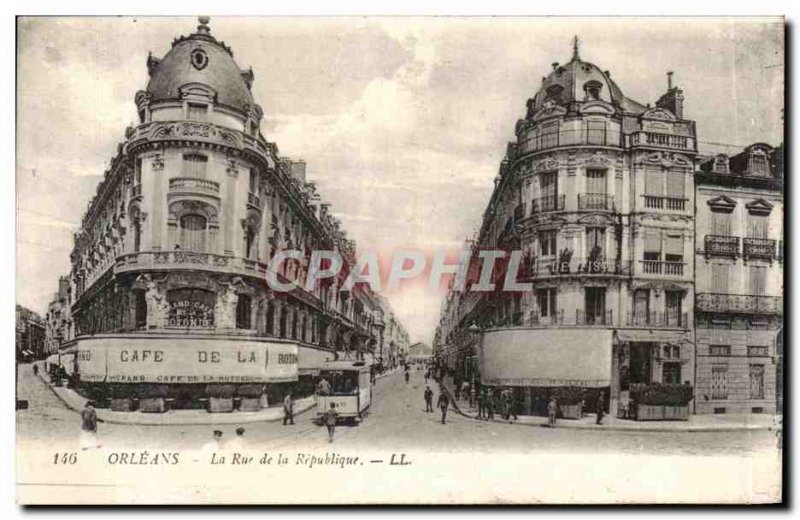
[[649, 412], [250, 404], [152, 405], [121, 404], [676, 413], [570, 411], [220, 404]]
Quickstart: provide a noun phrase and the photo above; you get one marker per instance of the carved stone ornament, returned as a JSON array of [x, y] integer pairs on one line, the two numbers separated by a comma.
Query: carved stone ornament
[[549, 163], [232, 168], [158, 161], [597, 159], [206, 131]]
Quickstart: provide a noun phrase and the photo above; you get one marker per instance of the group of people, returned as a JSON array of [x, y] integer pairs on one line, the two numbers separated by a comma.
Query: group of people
[[489, 402], [236, 445], [443, 402]]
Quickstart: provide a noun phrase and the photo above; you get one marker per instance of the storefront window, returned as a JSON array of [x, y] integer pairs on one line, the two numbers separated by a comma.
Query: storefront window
[[243, 312]]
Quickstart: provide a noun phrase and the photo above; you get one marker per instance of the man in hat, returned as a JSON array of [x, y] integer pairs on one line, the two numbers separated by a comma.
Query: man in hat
[[428, 400], [288, 409], [89, 422], [443, 403], [552, 410]]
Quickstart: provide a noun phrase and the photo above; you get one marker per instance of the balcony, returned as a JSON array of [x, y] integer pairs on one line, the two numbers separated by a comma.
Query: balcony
[[556, 318], [194, 185], [548, 203], [658, 320], [719, 245], [739, 303], [665, 203], [659, 140], [595, 202], [593, 318], [661, 267], [570, 137], [253, 200], [763, 248]]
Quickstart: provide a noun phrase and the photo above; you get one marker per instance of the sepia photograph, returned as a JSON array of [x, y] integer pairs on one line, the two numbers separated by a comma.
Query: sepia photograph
[[441, 260]]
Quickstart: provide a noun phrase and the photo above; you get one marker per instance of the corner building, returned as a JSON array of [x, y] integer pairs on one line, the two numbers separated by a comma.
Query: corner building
[[170, 265], [596, 191]]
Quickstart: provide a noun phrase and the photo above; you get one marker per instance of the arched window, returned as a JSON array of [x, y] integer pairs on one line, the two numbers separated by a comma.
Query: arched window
[[193, 232], [243, 308], [249, 242], [592, 90], [136, 220]]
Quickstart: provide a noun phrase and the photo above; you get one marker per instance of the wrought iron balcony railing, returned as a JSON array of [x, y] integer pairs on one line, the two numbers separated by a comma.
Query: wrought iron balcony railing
[[662, 267], [658, 320], [252, 199], [583, 317], [548, 203], [595, 201], [720, 245], [739, 303], [759, 248], [570, 137], [665, 203]]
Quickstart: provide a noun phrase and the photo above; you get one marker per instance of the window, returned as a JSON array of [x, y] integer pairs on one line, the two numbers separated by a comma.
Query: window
[[549, 135], [547, 302], [548, 186], [719, 381], [641, 307], [756, 381], [249, 242], [253, 180], [676, 185], [596, 181], [757, 226], [757, 280], [193, 232], [141, 310], [721, 224], [243, 308], [673, 250], [652, 246], [719, 350], [554, 93], [674, 301], [672, 373], [720, 274], [595, 304], [758, 165], [591, 90], [595, 240], [757, 351], [137, 172], [654, 182], [194, 165], [547, 242], [137, 235], [197, 112], [596, 132]]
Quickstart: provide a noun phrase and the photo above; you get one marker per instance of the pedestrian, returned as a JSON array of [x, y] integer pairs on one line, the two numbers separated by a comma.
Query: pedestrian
[[442, 403], [601, 408], [323, 386], [89, 422], [407, 376], [465, 390], [489, 405], [482, 404], [514, 404], [552, 410], [428, 400], [288, 409], [237, 444], [35, 369], [213, 446], [457, 390], [330, 420], [506, 397]]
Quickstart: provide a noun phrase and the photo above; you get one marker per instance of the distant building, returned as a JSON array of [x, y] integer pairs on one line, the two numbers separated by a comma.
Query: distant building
[[420, 352], [58, 320], [739, 281], [30, 335]]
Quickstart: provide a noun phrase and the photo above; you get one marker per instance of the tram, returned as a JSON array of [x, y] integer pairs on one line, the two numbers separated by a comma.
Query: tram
[[349, 387]]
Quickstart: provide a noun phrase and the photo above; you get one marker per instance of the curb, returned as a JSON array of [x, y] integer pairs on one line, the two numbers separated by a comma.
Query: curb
[[656, 429], [214, 419]]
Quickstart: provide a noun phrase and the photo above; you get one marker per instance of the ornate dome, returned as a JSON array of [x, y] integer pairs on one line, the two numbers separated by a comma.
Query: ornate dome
[[581, 81], [200, 58]]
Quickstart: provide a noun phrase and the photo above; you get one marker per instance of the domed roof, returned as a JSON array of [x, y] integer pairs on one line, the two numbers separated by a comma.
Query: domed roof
[[200, 58], [581, 81]]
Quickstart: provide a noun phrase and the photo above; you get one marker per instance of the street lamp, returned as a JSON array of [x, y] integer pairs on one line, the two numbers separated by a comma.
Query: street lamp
[[477, 333]]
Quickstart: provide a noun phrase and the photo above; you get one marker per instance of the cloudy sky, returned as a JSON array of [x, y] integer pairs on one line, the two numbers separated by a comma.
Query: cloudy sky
[[403, 122]]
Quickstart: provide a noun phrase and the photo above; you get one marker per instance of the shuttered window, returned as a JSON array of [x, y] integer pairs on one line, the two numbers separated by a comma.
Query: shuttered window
[[674, 245], [758, 280], [721, 224], [676, 185], [757, 226], [595, 181], [652, 242], [720, 273], [194, 165], [654, 183]]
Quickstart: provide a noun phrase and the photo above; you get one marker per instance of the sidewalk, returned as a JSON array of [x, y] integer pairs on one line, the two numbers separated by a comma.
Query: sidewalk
[[696, 423], [76, 402]]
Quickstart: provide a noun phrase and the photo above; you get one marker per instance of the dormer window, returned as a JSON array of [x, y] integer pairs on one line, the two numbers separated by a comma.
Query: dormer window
[[592, 90], [759, 165], [721, 164], [554, 93]]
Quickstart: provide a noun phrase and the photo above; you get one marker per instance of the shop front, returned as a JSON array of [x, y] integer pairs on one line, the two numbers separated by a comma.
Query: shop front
[[571, 363]]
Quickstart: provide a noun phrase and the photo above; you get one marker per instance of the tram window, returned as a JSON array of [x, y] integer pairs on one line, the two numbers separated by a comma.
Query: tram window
[[342, 382]]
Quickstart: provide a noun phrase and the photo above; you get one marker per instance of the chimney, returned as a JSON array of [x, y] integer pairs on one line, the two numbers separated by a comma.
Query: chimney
[[673, 99]]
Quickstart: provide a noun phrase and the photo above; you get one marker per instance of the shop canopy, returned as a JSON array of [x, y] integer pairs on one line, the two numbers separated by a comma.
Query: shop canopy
[[546, 358]]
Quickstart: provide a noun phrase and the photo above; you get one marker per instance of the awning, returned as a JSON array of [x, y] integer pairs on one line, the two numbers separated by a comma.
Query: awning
[[546, 357], [650, 335]]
